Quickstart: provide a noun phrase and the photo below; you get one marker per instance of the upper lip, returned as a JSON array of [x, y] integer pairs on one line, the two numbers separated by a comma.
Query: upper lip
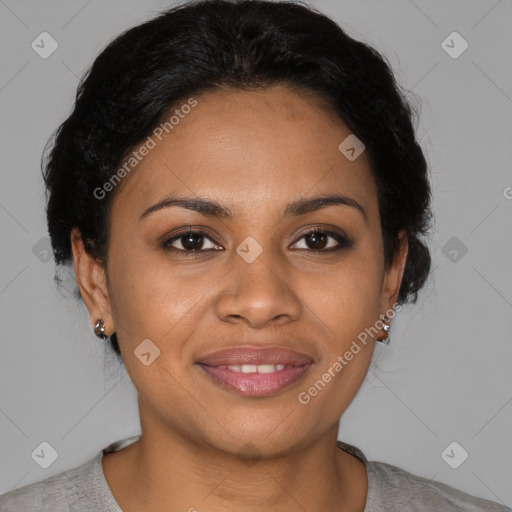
[[256, 356]]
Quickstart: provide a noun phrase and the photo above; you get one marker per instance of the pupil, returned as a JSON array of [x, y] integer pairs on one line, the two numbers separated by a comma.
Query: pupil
[[316, 238], [190, 240]]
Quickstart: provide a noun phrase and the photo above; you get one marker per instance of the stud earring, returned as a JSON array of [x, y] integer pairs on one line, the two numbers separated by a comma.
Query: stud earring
[[99, 329], [386, 326]]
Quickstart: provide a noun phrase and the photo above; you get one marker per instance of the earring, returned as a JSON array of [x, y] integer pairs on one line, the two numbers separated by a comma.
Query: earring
[[99, 329], [386, 326]]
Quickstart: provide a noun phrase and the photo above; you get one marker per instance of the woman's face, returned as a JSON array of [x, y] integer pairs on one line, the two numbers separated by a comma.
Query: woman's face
[[256, 278]]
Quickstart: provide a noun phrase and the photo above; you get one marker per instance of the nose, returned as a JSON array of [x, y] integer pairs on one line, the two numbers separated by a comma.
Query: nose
[[258, 293]]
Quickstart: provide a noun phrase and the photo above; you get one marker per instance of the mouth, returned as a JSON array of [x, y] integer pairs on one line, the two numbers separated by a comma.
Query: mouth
[[252, 371]]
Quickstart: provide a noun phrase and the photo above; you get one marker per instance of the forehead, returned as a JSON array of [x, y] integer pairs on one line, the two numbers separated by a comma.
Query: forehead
[[247, 149]]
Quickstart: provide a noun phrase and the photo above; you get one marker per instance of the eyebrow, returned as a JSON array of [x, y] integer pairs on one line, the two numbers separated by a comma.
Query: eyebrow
[[211, 208]]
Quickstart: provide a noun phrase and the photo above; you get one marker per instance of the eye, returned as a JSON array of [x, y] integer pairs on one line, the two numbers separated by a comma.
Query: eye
[[319, 240], [192, 243], [195, 242]]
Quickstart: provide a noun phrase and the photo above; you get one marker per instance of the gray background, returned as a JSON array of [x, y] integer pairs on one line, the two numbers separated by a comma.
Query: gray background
[[446, 376]]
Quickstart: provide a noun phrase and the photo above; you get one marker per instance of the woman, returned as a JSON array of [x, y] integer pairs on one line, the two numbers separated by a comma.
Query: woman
[[243, 198]]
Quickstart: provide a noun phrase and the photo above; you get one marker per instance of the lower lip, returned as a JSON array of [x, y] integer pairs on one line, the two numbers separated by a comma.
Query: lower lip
[[255, 384]]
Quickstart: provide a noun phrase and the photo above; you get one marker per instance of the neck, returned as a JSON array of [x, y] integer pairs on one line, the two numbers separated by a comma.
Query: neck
[[168, 471]]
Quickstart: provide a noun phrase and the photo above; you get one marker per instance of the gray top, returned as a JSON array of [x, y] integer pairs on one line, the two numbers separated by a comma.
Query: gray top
[[85, 489]]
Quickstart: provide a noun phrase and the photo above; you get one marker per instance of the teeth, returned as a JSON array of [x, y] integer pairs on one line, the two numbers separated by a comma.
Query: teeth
[[253, 368], [248, 368], [266, 368]]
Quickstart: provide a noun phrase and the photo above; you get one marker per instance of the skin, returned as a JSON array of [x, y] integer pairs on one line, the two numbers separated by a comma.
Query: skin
[[253, 152]]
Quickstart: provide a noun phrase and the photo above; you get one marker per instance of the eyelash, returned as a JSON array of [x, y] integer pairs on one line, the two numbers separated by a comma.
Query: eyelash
[[343, 241]]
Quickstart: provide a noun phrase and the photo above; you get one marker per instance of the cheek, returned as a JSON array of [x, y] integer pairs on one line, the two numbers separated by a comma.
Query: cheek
[[348, 304], [347, 297], [148, 295]]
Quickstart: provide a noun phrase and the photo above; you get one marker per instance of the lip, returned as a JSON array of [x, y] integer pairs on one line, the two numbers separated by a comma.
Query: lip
[[256, 355], [255, 384]]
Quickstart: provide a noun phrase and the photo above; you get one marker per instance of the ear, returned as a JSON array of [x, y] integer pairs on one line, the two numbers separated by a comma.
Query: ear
[[393, 276], [92, 283]]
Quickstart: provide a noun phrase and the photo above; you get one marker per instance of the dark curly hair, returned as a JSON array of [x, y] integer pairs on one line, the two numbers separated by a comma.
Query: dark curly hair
[[209, 45]]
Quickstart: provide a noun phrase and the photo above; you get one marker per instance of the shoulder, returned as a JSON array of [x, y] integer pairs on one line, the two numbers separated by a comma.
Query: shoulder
[[75, 490], [401, 490], [63, 492]]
